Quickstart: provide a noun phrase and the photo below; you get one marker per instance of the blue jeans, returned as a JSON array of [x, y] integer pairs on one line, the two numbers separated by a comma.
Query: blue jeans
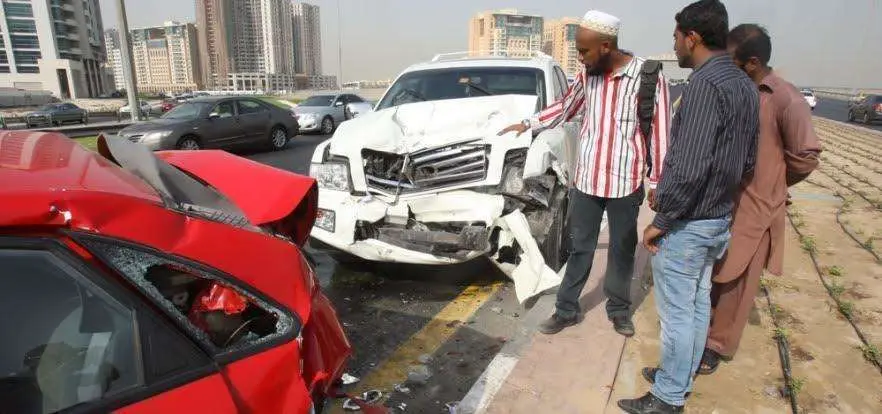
[[681, 272]]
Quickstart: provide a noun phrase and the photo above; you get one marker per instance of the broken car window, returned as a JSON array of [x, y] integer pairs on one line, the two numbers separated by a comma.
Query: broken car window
[[227, 317]]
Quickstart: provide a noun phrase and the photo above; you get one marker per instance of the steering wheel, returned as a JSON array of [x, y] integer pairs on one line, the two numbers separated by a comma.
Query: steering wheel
[[239, 331]]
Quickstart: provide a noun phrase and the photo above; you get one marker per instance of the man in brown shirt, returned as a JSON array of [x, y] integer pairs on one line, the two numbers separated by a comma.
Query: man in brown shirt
[[787, 152]]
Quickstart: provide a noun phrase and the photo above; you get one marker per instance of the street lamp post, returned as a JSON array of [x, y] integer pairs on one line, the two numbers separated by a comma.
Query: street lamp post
[[125, 46], [339, 44]]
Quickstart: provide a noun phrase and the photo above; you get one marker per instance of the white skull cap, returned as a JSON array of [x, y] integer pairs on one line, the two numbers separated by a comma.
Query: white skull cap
[[601, 22]]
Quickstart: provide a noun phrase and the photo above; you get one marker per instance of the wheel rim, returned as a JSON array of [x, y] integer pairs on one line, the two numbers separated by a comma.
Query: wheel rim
[[327, 126], [279, 138], [190, 145], [867, 118]]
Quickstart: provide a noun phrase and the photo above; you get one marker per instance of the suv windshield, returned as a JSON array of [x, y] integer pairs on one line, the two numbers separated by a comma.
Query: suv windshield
[[188, 111], [456, 83], [319, 100]]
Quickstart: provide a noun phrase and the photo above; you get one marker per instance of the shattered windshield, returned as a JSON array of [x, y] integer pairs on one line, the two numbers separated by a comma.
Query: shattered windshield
[[456, 83]]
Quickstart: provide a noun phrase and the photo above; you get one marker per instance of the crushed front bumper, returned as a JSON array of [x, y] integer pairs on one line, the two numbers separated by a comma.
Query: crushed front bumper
[[436, 229]]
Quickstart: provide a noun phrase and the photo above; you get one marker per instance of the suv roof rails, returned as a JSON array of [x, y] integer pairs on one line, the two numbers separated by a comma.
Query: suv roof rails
[[534, 54]]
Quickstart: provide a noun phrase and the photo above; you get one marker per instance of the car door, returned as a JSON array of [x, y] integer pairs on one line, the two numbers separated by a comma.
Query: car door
[[67, 113], [221, 129], [85, 344], [255, 119]]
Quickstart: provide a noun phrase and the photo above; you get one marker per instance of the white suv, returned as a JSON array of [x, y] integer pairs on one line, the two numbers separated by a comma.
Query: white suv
[[425, 178]]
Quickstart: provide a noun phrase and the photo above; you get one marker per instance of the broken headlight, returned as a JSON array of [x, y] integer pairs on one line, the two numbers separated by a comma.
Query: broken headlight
[[331, 175]]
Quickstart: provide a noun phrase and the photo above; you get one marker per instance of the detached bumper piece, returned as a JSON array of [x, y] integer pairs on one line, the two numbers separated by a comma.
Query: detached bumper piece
[[452, 244]]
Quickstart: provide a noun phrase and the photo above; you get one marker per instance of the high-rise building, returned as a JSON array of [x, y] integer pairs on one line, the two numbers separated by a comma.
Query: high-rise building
[[505, 32], [560, 43], [244, 40], [215, 23], [307, 39], [114, 58], [54, 45], [166, 58]]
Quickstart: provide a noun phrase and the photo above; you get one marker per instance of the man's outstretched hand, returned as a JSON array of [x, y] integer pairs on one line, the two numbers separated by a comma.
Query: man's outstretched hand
[[651, 198], [519, 128]]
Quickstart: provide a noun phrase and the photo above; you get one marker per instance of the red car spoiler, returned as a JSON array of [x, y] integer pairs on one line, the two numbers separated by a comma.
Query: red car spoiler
[[268, 196]]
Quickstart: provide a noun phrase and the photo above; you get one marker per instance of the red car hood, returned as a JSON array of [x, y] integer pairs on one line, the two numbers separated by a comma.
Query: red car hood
[[268, 196]]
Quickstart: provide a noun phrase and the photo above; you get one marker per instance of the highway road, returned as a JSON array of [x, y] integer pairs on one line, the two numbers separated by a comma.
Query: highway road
[[837, 110]]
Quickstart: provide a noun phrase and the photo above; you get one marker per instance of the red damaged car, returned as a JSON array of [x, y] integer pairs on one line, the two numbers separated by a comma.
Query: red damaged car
[[141, 282]]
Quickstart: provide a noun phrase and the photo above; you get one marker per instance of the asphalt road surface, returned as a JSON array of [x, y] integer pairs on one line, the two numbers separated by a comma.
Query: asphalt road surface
[[837, 110], [398, 316]]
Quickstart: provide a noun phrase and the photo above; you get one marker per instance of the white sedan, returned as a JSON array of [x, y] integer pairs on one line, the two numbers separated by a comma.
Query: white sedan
[[810, 98]]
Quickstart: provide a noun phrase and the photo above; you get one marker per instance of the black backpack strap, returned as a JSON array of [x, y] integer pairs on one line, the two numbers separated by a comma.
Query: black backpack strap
[[646, 104]]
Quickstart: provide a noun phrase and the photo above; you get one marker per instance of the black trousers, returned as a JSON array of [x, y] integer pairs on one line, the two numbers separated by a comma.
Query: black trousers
[[586, 214]]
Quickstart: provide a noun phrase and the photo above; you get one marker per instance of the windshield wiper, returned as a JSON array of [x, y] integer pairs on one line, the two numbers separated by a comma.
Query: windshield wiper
[[478, 88]]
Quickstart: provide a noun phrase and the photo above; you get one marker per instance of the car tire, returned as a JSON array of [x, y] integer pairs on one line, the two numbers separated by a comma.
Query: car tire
[[85, 120], [867, 119], [188, 143], [850, 116], [328, 126], [278, 138], [555, 247]]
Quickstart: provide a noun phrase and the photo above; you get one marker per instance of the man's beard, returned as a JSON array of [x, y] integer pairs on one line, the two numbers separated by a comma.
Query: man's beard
[[603, 65]]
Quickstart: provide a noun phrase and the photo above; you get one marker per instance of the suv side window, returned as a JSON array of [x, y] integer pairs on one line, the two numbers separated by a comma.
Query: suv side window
[[70, 342], [354, 98]]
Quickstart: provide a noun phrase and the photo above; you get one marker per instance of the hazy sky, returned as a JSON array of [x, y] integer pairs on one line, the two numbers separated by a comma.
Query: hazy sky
[[815, 42]]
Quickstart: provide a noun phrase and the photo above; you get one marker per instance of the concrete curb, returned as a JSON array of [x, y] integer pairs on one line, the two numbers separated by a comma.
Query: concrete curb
[[482, 392]]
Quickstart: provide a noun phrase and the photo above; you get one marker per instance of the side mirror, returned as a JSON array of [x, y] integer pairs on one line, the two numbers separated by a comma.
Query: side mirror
[[214, 115], [338, 103]]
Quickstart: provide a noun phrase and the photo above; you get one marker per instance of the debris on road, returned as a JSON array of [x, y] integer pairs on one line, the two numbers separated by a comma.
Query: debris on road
[[496, 309], [451, 407], [419, 374], [367, 399], [401, 388], [425, 359], [349, 379]]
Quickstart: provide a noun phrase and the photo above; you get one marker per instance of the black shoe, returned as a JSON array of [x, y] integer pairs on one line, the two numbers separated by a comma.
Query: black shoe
[[623, 325], [650, 373], [555, 324], [648, 404]]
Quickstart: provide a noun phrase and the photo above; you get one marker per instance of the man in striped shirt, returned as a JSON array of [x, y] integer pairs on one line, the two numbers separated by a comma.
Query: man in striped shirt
[[612, 161]]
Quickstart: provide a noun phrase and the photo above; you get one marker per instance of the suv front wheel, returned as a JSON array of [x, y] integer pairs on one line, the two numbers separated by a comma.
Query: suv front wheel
[[556, 247]]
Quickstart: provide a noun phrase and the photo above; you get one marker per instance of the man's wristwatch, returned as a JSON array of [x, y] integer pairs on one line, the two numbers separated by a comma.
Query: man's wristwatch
[[526, 123]]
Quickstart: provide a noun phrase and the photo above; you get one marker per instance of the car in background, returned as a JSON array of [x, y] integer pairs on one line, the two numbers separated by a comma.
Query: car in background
[[357, 109], [216, 123], [323, 113], [158, 280], [56, 114], [167, 105], [867, 110], [125, 111], [810, 98]]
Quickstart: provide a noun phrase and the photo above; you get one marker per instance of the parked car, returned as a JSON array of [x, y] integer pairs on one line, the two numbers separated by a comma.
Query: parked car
[[810, 98], [357, 109], [144, 283], [216, 122], [867, 110], [125, 111], [323, 113], [167, 105], [426, 179], [56, 114]]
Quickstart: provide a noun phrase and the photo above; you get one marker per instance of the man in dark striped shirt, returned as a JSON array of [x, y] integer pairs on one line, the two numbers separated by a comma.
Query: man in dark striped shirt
[[713, 144]]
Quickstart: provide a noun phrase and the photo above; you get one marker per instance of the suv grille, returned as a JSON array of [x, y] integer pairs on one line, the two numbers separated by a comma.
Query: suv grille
[[426, 169]]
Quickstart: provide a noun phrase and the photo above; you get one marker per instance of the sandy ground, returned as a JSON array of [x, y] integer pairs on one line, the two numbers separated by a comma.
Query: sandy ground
[[836, 217]]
